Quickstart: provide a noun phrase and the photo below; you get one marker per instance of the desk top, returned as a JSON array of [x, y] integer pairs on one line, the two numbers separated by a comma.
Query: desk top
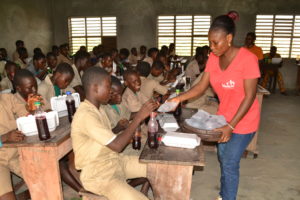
[[58, 136]]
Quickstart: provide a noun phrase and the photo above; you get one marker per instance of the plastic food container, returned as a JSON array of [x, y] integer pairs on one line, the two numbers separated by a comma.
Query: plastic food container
[[59, 104], [183, 140], [168, 122]]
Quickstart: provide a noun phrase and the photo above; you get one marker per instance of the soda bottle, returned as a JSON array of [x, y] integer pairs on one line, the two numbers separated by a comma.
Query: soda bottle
[[70, 105], [41, 122], [177, 112], [152, 132], [136, 139]]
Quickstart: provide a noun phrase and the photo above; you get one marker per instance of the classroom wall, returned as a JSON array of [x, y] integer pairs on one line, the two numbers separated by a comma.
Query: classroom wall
[[29, 21]]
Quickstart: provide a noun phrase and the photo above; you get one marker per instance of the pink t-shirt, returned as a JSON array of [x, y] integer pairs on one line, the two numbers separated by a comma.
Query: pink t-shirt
[[229, 86]]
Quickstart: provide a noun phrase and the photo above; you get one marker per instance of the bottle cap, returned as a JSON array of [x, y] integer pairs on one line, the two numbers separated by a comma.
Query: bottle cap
[[177, 91], [153, 114], [37, 103], [68, 93]]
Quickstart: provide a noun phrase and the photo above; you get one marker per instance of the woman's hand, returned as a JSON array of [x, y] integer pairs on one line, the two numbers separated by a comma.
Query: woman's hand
[[226, 133]]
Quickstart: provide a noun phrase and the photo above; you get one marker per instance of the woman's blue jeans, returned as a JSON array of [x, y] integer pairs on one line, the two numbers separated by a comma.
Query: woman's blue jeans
[[229, 155]]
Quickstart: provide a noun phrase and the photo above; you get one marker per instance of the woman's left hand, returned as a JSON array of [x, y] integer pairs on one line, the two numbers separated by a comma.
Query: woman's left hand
[[226, 133]]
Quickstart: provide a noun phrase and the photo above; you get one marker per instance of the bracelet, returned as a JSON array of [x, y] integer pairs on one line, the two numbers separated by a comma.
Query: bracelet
[[230, 126]]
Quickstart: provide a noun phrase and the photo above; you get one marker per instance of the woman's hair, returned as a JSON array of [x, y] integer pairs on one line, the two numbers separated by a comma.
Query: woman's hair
[[225, 22]]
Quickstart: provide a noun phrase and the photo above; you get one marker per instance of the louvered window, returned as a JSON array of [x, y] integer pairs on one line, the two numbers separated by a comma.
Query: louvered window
[[88, 31], [187, 32], [282, 31]]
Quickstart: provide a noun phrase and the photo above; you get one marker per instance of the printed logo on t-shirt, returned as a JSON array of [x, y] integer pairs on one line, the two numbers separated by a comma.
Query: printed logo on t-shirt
[[229, 84]]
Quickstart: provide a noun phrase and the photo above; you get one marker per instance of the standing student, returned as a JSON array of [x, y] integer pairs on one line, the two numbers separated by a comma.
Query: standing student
[[38, 66], [103, 170], [22, 59], [7, 82], [63, 55], [16, 55], [250, 45], [152, 54], [57, 84], [233, 73], [133, 98]]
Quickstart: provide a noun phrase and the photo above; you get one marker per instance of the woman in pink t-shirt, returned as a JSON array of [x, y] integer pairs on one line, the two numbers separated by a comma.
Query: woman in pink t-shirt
[[233, 73]]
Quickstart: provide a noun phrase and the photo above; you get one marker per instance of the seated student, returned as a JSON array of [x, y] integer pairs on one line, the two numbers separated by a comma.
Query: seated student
[[142, 53], [37, 50], [115, 58], [55, 50], [106, 63], [22, 59], [162, 57], [156, 72], [164, 50], [123, 57], [273, 54], [171, 52], [38, 66], [116, 111], [56, 84], [51, 61], [250, 45], [3, 60], [195, 66], [7, 82], [149, 86], [133, 98], [103, 170], [63, 55], [152, 54], [133, 58], [16, 54]]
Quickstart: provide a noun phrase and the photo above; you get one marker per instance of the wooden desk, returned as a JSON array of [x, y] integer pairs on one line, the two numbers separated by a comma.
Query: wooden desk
[[170, 169], [39, 162], [271, 67]]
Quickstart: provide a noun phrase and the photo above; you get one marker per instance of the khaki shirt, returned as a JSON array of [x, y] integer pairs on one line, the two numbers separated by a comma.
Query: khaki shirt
[[77, 79], [46, 89], [159, 78], [132, 101], [113, 116], [2, 68], [21, 64], [6, 84], [15, 56], [90, 133], [192, 70], [133, 59], [148, 60], [149, 86], [61, 58]]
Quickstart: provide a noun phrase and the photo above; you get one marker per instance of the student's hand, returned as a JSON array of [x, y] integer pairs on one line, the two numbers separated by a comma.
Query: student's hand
[[226, 133], [123, 124], [146, 109], [175, 99], [13, 136]]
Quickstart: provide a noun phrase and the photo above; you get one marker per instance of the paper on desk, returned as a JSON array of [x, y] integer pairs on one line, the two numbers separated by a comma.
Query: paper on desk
[[167, 106]]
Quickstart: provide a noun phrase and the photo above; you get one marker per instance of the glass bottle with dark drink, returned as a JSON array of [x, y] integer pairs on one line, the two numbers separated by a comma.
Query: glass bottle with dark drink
[[136, 139], [177, 112], [41, 122], [152, 132], [70, 101]]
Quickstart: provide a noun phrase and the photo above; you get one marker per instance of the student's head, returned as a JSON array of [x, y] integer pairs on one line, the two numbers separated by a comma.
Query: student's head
[[107, 62], [22, 51], [164, 50], [82, 60], [133, 51], [157, 68], [19, 43], [143, 50], [171, 47], [221, 33], [124, 53], [132, 80], [64, 49], [25, 83], [3, 54], [51, 60], [11, 68], [63, 75], [143, 68], [55, 50], [273, 51], [97, 84], [152, 52], [39, 61], [114, 53], [83, 48], [162, 58], [200, 57], [37, 50], [250, 39], [116, 91]]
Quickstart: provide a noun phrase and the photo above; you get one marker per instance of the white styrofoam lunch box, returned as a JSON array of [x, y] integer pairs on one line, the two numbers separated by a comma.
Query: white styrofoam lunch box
[[183, 140], [59, 104]]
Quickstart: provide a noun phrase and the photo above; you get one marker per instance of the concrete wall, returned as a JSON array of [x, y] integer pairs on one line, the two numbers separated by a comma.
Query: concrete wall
[[29, 21]]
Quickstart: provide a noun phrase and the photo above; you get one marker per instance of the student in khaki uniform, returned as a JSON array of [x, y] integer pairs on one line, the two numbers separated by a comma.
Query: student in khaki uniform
[[7, 82], [51, 61], [57, 84], [149, 86], [23, 55], [106, 63], [196, 66], [117, 113], [103, 170], [156, 72], [16, 55], [38, 66], [152, 54], [133, 58], [133, 98], [64, 55], [142, 53]]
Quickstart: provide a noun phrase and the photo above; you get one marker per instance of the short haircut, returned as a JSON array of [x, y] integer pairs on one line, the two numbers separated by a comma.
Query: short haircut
[[65, 45], [21, 50], [93, 75], [37, 50], [114, 50], [22, 74], [64, 68], [19, 42], [225, 23], [133, 49], [124, 52], [80, 55], [50, 54], [38, 56], [128, 73], [54, 47], [158, 65], [143, 68], [252, 34], [106, 55], [10, 64], [152, 50], [115, 81]]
